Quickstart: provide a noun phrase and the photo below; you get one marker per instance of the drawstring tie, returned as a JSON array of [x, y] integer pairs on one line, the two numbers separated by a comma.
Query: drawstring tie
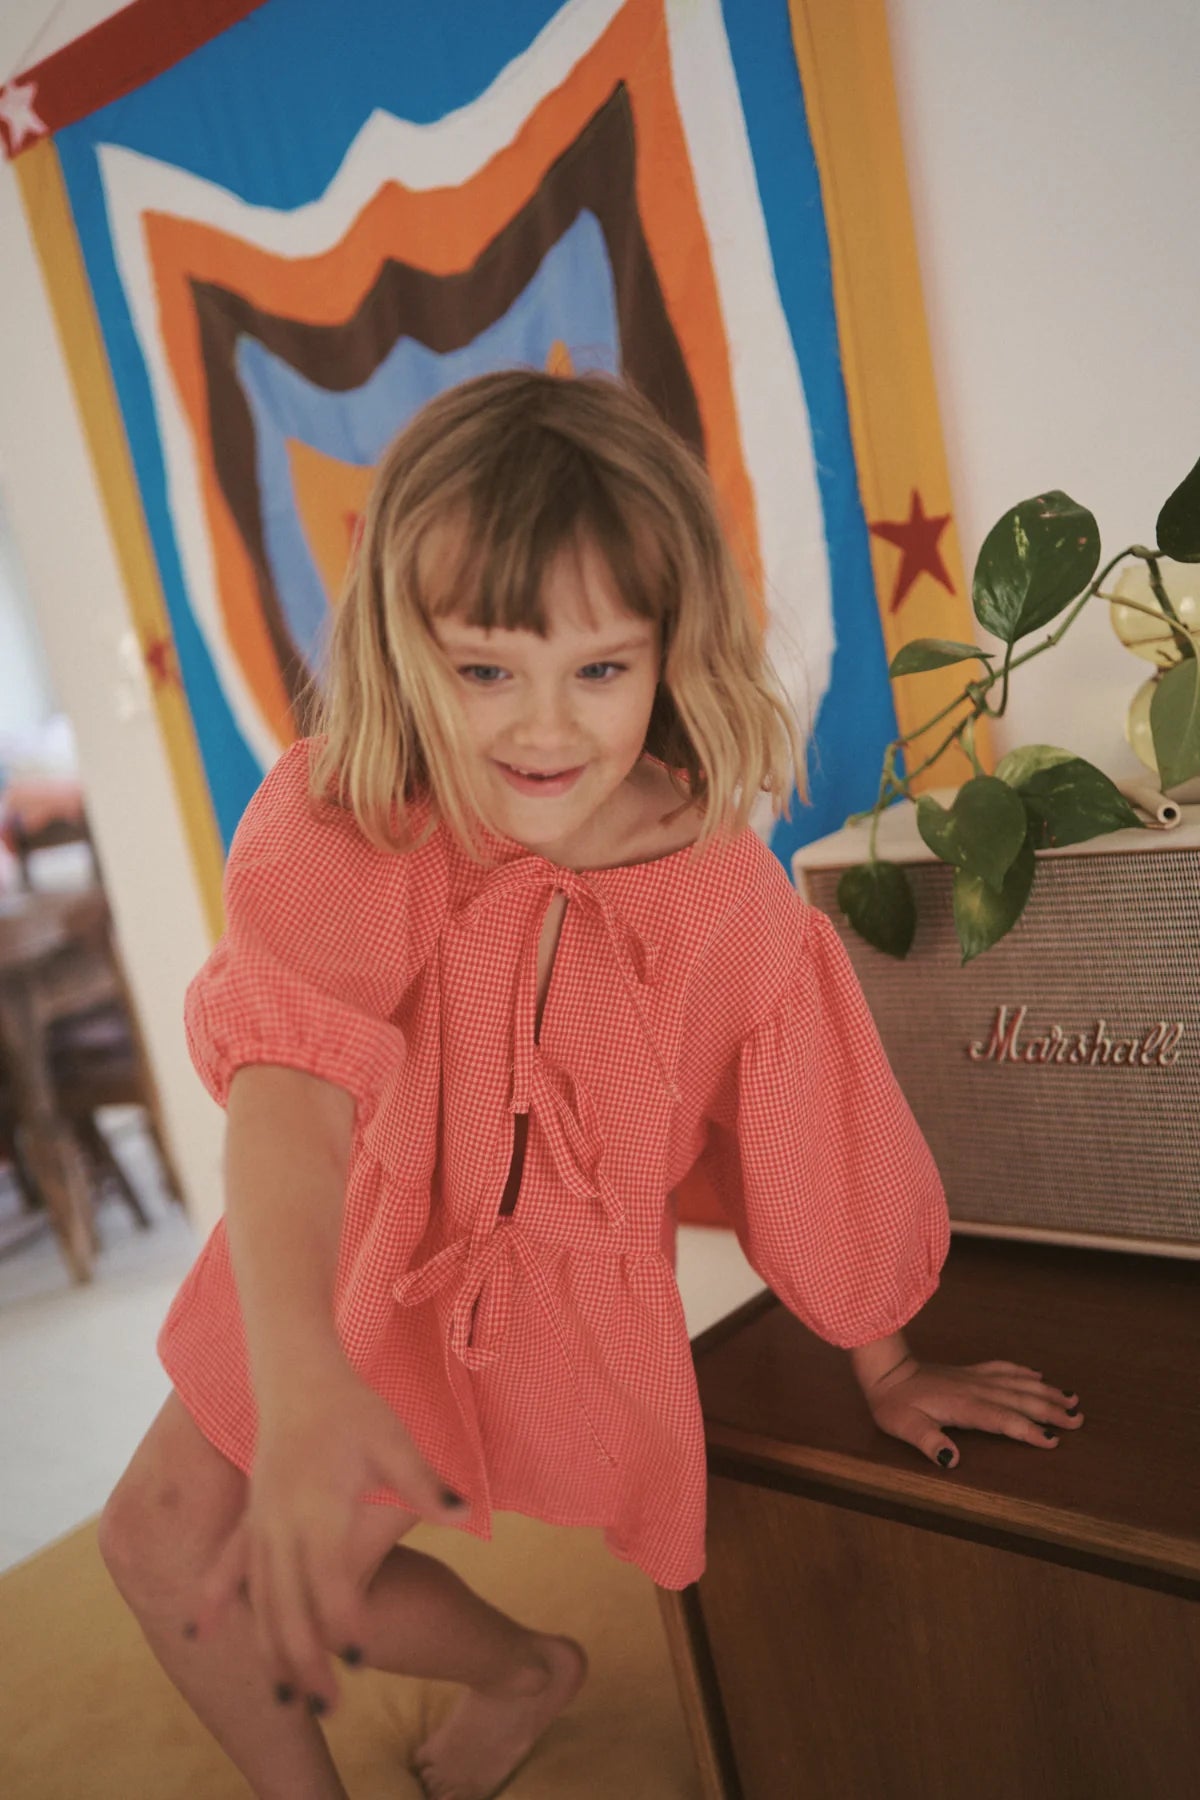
[[563, 1107], [484, 1269], [482, 1309]]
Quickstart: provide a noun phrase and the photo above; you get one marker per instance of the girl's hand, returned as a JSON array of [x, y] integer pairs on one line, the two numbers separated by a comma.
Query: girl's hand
[[916, 1401], [320, 1449]]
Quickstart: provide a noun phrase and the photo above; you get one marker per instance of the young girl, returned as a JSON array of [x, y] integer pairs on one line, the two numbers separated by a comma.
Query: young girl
[[503, 959]]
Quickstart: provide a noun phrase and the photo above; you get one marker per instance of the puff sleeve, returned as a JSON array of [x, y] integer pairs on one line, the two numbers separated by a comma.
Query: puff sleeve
[[313, 959], [818, 1161]]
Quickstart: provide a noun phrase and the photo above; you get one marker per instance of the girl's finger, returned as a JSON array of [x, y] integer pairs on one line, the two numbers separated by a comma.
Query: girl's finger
[[219, 1586], [305, 1656], [1005, 1368], [978, 1414], [402, 1467], [940, 1449], [1025, 1384], [338, 1602], [262, 1604], [1046, 1405], [912, 1426]]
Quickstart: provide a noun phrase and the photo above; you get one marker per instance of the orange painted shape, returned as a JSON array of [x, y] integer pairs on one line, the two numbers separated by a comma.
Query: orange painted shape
[[330, 498]]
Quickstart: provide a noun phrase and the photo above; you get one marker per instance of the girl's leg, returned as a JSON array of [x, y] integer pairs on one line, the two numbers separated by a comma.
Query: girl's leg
[[167, 1518], [172, 1510], [425, 1621]]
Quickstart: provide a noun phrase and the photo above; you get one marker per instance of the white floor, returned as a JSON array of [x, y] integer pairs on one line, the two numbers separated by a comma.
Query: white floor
[[79, 1380]]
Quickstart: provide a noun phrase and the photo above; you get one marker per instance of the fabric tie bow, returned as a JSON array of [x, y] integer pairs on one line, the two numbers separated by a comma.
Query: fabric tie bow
[[482, 1308]]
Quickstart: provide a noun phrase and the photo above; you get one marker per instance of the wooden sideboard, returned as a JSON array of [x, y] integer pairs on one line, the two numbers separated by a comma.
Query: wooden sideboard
[[1024, 1627]]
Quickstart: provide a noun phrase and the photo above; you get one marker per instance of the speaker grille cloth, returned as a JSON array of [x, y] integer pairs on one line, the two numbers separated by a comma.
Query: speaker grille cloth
[[1110, 1150]]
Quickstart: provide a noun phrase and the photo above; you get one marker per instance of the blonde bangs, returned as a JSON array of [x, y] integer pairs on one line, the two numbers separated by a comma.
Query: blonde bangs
[[472, 504]]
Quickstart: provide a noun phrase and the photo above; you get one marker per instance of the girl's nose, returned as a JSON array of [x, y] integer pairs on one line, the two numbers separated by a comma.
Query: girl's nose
[[546, 719]]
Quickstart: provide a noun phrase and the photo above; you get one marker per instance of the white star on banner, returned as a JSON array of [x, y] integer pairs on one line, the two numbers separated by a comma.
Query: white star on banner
[[18, 116]]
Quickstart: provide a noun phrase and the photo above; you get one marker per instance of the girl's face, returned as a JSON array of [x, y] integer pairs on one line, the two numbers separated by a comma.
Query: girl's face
[[574, 706]]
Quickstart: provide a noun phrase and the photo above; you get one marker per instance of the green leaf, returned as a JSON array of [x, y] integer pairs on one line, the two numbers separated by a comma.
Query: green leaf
[[932, 653], [982, 916], [1175, 723], [982, 832], [1020, 764], [1179, 521], [1071, 802], [877, 898], [1034, 561]]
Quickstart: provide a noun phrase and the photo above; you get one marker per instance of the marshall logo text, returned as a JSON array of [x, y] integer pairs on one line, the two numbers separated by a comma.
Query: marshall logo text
[[1158, 1047]]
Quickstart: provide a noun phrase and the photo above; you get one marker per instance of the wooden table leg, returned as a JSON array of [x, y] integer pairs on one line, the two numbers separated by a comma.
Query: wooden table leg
[[50, 1147]]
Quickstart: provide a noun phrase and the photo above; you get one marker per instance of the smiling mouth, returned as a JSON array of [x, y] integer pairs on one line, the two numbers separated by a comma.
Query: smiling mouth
[[538, 774]]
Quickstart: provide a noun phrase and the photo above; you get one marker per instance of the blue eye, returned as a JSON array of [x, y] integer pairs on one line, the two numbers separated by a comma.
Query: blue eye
[[480, 673]]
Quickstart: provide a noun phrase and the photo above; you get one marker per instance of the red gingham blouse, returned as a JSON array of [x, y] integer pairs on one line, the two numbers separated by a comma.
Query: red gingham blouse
[[696, 1008]]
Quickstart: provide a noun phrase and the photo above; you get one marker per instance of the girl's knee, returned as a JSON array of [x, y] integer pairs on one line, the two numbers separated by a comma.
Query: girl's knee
[[171, 1510]]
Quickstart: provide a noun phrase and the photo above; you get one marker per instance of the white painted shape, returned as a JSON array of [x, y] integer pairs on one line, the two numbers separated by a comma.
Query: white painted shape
[[772, 409]]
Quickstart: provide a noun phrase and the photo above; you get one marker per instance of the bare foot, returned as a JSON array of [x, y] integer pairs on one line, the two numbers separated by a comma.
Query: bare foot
[[488, 1735]]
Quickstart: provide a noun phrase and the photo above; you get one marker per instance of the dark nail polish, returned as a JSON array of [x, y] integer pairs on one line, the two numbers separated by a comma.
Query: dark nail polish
[[189, 1630], [317, 1706], [450, 1498], [352, 1655], [1048, 1431], [945, 1457], [1072, 1410], [284, 1693]]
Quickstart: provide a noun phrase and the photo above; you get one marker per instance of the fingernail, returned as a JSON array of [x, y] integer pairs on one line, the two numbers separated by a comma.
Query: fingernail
[[1048, 1431], [945, 1457], [317, 1706], [189, 1630], [284, 1694], [1072, 1410], [352, 1655], [450, 1498]]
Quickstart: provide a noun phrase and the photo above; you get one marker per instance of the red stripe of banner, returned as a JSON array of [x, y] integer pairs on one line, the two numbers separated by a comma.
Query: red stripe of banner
[[120, 54]]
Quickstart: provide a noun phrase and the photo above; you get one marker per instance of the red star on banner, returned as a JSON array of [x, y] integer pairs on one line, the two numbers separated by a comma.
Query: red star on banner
[[160, 660], [917, 536]]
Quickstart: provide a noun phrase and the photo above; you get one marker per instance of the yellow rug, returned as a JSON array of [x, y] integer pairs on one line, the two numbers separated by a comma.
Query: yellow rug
[[86, 1713]]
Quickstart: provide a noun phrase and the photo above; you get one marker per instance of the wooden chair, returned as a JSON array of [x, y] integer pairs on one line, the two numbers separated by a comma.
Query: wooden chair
[[29, 1219], [97, 1053]]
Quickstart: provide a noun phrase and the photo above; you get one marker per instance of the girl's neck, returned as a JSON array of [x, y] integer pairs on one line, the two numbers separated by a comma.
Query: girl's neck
[[649, 819]]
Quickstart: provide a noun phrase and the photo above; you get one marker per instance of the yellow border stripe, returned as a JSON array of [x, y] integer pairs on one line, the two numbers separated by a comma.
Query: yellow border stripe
[[845, 69], [48, 211]]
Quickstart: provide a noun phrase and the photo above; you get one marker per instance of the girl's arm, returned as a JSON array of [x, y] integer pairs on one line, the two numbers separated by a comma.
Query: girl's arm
[[287, 1150], [325, 1438], [872, 1362]]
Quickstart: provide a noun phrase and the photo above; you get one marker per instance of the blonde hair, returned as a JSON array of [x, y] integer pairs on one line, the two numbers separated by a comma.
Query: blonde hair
[[471, 504]]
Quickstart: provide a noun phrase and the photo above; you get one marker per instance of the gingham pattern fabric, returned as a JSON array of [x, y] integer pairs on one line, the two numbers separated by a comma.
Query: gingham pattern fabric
[[697, 1008]]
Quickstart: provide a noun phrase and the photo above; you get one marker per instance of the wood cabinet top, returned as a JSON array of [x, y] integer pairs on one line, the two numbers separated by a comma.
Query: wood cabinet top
[[1122, 1331]]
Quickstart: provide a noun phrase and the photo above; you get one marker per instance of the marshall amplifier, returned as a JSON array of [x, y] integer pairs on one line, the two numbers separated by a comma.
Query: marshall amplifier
[[1057, 1076]]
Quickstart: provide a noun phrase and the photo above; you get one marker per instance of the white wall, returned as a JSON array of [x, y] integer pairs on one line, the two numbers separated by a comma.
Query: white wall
[[1053, 153], [26, 693], [57, 522], [1053, 157]]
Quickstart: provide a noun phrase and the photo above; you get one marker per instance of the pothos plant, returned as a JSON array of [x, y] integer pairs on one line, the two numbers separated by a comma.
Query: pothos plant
[[1038, 562]]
